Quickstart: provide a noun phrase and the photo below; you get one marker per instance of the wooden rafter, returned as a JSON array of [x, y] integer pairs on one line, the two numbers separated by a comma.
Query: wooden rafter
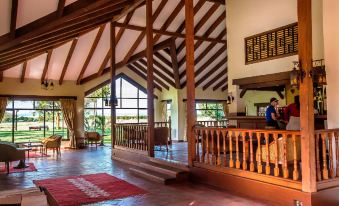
[[211, 72], [163, 59], [222, 2], [163, 68], [175, 66], [44, 72], [23, 73], [200, 24], [142, 75], [61, 6], [170, 19], [68, 59], [224, 87], [216, 78], [91, 52], [14, 14], [143, 32], [220, 83], [1, 76], [158, 73], [171, 34]]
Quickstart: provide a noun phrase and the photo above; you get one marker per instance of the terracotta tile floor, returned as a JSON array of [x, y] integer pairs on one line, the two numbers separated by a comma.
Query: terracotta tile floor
[[177, 152], [91, 160]]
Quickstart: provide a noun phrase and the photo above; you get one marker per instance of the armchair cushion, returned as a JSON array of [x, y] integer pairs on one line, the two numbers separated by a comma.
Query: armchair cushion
[[9, 152]]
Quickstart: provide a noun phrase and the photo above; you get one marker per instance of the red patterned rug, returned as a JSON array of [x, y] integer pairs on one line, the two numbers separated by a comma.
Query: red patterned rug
[[36, 155], [84, 189], [30, 168]]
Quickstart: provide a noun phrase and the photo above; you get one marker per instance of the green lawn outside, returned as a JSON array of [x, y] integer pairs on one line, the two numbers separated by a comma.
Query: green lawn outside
[[26, 135]]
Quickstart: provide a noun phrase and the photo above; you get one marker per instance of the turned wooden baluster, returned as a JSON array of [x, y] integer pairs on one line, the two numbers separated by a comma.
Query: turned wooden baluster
[[196, 134], [276, 158], [267, 168], [212, 132], [251, 152], [230, 135], [325, 170], [207, 146], [224, 133], [244, 150], [259, 164], [337, 152], [285, 166], [218, 148], [237, 162], [317, 156], [295, 161], [331, 165], [201, 132]]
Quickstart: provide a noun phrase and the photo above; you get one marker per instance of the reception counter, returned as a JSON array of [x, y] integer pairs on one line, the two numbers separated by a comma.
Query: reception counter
[[259, 122]]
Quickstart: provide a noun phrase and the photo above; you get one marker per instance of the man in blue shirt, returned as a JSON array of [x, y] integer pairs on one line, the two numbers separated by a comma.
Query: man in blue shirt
[[272, 115]]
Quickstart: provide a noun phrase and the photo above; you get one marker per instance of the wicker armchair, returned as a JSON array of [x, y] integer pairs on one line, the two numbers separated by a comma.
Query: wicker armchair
[[53, 142], [9, 152], [91, 137], [161, 136]]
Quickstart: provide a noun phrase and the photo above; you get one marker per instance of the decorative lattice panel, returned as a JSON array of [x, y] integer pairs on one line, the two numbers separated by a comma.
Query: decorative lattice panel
[[276, 43]]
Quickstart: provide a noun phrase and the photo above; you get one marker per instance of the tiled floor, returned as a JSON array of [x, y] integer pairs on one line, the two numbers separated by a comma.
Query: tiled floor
[[177, 152], [90, 160]]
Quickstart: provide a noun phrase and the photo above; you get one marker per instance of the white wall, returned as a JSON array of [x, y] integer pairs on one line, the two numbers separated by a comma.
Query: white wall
[[247, 17], [331, 42]]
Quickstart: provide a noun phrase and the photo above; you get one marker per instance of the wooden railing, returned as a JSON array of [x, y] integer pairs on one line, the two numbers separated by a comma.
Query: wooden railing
[[132, 136], [327, 157], [251, 153], [219, 123]]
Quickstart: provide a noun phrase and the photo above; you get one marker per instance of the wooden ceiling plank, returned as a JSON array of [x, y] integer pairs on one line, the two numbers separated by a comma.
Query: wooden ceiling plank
[[163, 68], [91, 52], [61, 6], [68, 59], [224, 87], [142, 75], [14, 15], [104, 63], [23, 73], [216, 78], [222, 2], [220, 83], [170, 19], [197, 7], [158, 73], [122, 30], [163, 59], [44, 72], [141, 36], [175, 66], [211, 72]]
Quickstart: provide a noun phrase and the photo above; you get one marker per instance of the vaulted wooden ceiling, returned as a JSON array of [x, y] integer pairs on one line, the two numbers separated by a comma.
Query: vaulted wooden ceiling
[[69, 40]]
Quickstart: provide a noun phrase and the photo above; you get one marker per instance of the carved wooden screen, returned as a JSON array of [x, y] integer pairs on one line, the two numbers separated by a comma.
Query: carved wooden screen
[[277, 43]]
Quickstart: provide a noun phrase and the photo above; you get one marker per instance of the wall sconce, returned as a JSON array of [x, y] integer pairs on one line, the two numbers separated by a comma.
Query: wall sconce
[[230, 98], [47, 85], [317, 73], [296, 75]]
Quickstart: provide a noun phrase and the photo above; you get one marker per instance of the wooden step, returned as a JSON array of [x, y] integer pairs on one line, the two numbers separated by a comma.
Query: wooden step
[[171, 163], [153, 176], [161, 168]]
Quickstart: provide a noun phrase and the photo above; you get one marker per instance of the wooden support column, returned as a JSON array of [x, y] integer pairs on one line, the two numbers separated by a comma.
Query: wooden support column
[[189, 40], [306, 97], [113, 92], [150, 78]]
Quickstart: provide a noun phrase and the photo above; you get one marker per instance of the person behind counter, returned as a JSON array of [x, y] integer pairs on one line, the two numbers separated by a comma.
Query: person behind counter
[[272, 115], [292, 115]]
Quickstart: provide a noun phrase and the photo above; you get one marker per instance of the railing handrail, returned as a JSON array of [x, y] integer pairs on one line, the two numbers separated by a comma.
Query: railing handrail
[[251, 130], [326, 130]]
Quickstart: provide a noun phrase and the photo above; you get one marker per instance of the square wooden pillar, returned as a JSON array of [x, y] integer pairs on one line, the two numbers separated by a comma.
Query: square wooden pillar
[[113, 73], [306, 97], [191, 116]]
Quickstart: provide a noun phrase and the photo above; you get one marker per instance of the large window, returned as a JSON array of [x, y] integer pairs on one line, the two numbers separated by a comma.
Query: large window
[[32, 120], [209, 111], [131, 107]]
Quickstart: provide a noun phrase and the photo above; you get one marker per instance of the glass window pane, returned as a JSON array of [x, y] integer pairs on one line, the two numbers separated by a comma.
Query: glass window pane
[[129, 103], [117, 88], [142, 94], [127, 115], [142, 115], [49, 125], [6, 127], [107, 131], [23, 104], [142, 103], [9, 104], [60, 126], [220, 106], [89, 119], [29, 125], [43, 104], [128, 90], [201, 105]]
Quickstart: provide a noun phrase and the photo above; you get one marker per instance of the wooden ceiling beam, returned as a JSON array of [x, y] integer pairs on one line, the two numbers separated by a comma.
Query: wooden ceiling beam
[[134, 58], [197, 7], [1, 76], [175, 66], [200, 24], [141, 36], [60, 9], [224, 87], [23, 72], [158, 73], [163, 59], [220, 83], [91, 52], [211, 72], [222, 2], [68, 59], [14, 14], [163, 68], [143, 76], [44, 72], [216, 78], [169, 33], [170, 19]]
